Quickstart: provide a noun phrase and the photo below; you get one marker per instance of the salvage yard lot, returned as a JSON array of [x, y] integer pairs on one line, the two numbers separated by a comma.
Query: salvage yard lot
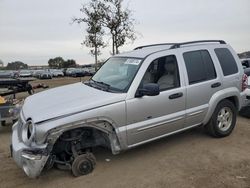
[[189, 159]]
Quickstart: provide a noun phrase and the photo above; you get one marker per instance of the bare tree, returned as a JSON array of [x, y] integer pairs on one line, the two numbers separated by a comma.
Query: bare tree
[[109, 15], [92, 18], [119, 21]]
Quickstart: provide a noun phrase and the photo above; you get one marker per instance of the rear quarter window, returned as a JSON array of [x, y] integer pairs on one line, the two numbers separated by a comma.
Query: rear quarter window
[[227, 61]]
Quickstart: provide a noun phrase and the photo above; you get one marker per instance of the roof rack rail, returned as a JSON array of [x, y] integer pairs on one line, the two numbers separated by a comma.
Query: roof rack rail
[[178, 45], [151, 45]]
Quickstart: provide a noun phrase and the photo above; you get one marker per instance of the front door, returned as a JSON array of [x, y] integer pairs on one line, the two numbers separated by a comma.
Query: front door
[[151, 117]]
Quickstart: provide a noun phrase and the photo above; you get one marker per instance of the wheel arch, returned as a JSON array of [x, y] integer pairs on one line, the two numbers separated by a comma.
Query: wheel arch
[[102, 126], [231, 94]]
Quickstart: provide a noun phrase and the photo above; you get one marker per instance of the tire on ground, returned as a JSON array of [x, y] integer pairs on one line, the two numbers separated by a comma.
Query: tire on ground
[[213, 126]]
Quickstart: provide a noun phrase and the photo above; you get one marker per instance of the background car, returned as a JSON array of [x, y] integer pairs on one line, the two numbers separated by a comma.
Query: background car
[[90, 71], [245, 63], [25, 73], [45, 75], [37, 73], [57, 73], [69, 71], [8, 74], [89, 74], [245, 111], [247, 72], [78, 73]]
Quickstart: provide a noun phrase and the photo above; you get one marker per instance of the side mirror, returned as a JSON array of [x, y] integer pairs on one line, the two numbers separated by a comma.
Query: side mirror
[[150, 89]]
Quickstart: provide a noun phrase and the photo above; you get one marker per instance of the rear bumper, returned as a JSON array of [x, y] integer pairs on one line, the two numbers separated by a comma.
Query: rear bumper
[[31, 159]]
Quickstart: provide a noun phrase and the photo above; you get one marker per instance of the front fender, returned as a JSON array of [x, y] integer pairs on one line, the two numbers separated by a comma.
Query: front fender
[[116, 137]]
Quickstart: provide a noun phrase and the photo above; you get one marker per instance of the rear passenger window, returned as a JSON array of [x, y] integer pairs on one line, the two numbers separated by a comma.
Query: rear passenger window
[[199, 66], [227, 61]]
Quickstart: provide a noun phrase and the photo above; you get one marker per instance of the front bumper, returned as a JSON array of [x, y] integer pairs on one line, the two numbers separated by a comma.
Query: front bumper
[[31, 159]]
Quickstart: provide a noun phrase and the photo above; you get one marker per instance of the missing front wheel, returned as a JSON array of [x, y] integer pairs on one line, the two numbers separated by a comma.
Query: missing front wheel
[[83, 164]]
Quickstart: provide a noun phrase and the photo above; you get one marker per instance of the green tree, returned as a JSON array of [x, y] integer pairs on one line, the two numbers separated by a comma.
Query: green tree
[[110, 16], [92, 17], [59, 62], [16, 65], [119, 22], [69, 63], [56, 62]]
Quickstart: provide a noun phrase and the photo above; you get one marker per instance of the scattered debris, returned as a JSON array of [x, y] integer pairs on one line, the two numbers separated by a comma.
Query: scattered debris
[[241, 177]]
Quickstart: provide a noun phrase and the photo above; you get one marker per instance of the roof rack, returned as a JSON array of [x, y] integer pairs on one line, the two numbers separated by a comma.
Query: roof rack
[[151, 45], [178, 45]]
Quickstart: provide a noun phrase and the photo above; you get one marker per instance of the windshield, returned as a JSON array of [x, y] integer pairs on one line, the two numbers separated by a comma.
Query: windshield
[[117, 73]]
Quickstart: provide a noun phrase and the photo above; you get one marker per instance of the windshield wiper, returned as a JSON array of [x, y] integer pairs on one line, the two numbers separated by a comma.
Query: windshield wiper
[[98, 83], [102, 86]]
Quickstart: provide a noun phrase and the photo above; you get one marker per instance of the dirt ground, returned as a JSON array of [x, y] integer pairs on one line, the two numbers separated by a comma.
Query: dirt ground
[[189, 159]]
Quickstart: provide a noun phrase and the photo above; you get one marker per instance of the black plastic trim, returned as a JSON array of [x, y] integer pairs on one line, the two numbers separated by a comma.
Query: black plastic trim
[[151, 45], [178, 45]]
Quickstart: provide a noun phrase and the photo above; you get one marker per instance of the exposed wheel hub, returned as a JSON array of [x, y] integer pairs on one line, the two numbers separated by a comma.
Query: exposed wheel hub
[[85, 167], [83, 164]]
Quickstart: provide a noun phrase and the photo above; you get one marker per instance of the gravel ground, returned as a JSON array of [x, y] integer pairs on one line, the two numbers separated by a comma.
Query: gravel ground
[[188, 159]]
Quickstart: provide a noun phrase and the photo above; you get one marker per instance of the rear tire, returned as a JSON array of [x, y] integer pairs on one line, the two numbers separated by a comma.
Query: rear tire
[[223, 120]]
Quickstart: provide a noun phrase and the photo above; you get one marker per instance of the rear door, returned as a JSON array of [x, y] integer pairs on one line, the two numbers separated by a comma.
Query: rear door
[[203, 82]]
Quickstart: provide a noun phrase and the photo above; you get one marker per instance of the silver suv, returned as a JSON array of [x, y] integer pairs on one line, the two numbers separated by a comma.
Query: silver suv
[[135, 97]]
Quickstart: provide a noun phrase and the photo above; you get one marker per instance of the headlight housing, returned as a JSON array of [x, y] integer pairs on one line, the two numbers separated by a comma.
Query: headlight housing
[[28, 132]]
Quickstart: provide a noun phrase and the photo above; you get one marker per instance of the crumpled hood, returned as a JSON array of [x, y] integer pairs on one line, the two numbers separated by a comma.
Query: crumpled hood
[[66, 100]]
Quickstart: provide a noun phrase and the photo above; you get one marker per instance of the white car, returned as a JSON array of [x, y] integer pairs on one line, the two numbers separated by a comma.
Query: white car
[[45, 75], [70, 71], [246, 110], [57, 73], [247, 72], [248, 89], [25, 73]]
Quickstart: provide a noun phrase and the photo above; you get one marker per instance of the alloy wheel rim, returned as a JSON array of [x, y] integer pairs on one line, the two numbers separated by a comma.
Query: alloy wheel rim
[[224, 119]]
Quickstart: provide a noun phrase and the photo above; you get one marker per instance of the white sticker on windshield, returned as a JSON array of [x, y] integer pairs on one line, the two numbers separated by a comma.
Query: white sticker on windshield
[[132, 62]]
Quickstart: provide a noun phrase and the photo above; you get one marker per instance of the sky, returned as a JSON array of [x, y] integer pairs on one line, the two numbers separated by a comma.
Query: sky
[[33, 31]]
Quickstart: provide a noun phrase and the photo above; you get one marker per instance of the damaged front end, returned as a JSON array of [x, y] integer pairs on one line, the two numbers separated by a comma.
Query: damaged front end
[[28, 156], [72, 146], [67, 147]]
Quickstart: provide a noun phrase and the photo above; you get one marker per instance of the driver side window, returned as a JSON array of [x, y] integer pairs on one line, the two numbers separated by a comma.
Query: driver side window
[[164, 72]]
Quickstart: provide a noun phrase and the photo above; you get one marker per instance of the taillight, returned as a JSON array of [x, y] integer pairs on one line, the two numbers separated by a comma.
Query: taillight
[[244, 82]]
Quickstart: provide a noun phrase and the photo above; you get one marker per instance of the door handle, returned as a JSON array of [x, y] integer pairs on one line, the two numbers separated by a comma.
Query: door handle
[[176, 95], [217, 84]]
